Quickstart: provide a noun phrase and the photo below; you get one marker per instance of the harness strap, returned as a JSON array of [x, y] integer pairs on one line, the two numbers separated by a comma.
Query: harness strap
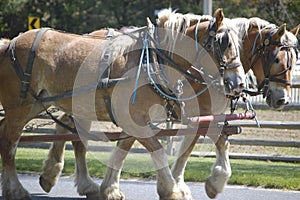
[[14, 60], [82, 131], [31, 57], [104, 64], [196, 35], [104, 77], [62, 124], [107, 101], [110, 33]]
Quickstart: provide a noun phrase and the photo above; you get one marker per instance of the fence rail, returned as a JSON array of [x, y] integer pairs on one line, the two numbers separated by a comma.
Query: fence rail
[[259, 142], [47, 136]]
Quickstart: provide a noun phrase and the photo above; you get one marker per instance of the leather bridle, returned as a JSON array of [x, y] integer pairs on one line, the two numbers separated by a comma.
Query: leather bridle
[[268, 58], [212, 43]]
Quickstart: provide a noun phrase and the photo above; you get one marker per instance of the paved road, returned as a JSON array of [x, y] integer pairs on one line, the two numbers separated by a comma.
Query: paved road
[[137, 190]]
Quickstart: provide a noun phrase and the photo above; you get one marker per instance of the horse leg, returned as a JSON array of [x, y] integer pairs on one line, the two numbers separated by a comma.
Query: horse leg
[[54, 163], [179, 165], [166, 185], [83, 181], [109, 189], [221, 170], [11, 186]]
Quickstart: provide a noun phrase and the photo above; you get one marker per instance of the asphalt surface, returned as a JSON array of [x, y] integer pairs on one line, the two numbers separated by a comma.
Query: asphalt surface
[[137, 190]]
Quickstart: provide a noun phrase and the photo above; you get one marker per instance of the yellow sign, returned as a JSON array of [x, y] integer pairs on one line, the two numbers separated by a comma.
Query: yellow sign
[[33, 23]]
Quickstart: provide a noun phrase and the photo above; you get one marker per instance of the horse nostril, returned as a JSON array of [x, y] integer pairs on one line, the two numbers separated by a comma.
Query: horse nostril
[[242, 86], [239, 89], [282, 102]]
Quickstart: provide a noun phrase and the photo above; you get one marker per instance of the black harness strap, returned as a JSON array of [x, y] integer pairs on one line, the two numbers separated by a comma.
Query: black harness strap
[[31, 57], [104, 67], [60, 123], [14, 60], [107, 101], [25, 77]]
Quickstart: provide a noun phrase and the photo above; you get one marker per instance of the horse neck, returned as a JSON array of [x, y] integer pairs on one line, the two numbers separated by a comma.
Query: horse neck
[[211, 101], [248, 60], [248, 42]]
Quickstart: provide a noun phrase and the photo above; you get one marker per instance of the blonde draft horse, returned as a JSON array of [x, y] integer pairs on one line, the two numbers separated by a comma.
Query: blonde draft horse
[[271, 53], [279, 63], [110, 185]]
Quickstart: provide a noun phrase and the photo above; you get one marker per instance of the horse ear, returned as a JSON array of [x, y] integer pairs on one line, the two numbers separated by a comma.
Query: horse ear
[[280, 32], [219, 15], [295, 30], [149, 23]]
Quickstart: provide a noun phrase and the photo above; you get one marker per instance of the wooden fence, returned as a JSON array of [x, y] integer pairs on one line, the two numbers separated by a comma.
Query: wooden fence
[[263, 142], [242, 123]]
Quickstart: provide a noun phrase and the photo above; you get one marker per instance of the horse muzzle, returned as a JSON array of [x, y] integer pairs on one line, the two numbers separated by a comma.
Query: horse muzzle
[[277, 103], [233, 89]]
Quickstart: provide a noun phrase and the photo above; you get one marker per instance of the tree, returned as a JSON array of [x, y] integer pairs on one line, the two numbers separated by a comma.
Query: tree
[[83, 16]]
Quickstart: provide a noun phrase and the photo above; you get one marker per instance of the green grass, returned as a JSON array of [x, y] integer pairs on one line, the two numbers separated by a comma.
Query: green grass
[[278, 175]]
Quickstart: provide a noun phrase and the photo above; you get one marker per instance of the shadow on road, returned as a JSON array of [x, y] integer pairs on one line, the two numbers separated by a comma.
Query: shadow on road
[[43, 196]]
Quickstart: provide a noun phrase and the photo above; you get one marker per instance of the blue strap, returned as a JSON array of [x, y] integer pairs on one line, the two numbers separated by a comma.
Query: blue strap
[[196, 35], [169, 96], [138, 72]]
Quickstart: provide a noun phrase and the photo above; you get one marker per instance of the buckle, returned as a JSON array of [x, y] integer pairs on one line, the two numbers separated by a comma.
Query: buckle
[[266, 42]]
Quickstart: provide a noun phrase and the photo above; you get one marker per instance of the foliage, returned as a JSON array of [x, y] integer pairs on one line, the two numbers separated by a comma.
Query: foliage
[[82, 16]]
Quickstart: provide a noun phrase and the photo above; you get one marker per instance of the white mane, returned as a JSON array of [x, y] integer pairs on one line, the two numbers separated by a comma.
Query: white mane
[[243, 25], [177, 21], [4, 42], [176, 25]]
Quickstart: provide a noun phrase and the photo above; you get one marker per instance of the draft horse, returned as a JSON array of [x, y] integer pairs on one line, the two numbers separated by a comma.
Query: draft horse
[[270, 51], [209, 102]]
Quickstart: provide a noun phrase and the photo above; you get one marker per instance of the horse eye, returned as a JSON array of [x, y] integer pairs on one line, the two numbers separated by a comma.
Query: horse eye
[[229, 45], [276, 60]]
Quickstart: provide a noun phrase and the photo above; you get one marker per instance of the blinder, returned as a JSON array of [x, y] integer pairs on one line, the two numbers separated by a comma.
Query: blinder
[[220, 44], [224, 41]]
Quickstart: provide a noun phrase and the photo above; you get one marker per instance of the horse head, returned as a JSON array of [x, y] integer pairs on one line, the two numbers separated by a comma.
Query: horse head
[[225, 45], [275, 49], [213, 40]]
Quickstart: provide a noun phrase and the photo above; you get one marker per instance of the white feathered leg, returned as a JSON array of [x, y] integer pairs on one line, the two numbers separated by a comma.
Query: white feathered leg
[[110, 189], [221, 170]]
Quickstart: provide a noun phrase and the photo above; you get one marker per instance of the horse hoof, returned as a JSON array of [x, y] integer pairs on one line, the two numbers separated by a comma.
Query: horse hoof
[[112, 193], [210, 190], [45, 184], [92, 196], [17, 195]]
